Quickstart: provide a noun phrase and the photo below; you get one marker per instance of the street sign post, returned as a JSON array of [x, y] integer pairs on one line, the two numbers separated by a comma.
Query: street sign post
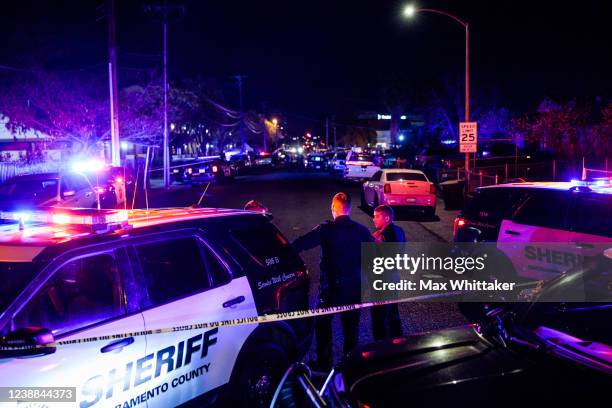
[[468, 137]]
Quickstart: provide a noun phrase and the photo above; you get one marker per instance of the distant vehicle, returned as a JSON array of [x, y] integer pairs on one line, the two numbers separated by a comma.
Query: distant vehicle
[[315, 161], [263, 159], [204, 171], [338, 163], [110, 186], [359, 166], [241, 163], [539, 220], [400, 188]]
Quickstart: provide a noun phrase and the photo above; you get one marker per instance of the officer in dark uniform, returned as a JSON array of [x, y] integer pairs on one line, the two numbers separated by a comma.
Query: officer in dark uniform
[[340, 279], [385, 319]]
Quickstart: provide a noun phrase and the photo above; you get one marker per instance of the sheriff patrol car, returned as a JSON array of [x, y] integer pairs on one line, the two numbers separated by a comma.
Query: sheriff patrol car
[[545, 228], [67, 275]]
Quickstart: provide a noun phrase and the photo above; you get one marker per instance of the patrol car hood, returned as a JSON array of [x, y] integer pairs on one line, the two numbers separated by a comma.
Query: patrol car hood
[[455, 367]]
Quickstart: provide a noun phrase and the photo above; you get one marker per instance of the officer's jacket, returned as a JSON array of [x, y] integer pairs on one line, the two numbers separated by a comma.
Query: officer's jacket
[[391, 233], [340, 242]]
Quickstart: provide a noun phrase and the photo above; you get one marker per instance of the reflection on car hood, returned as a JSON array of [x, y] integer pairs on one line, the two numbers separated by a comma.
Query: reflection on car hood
[[448, 366]]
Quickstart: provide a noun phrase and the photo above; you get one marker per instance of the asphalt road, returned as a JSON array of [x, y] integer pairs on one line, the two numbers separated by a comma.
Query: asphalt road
[[299, 201]]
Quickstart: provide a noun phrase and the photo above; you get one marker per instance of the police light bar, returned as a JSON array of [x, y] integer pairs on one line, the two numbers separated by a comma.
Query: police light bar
[[97, 220], [93, 165]]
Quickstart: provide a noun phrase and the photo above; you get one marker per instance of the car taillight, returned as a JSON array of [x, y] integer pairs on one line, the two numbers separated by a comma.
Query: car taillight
[[387, 188], [432, 188], [459, 223]]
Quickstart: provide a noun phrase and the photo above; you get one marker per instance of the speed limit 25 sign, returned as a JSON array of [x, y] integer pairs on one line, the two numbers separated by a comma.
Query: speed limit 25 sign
[[468, 137]]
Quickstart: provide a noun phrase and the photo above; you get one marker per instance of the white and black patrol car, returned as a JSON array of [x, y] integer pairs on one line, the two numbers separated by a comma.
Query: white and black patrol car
[[82, 274], [545, 228]]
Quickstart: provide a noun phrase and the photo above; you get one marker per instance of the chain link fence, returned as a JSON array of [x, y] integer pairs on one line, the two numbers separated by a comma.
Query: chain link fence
[[552, 170], [8, 170]]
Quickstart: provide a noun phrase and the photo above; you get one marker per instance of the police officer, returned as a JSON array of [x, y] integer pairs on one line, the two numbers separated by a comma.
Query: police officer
[[340, 280], [385, 319]]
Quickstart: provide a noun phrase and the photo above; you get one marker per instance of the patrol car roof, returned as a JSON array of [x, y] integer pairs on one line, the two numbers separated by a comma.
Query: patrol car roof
[[556, 185], [39, 234]]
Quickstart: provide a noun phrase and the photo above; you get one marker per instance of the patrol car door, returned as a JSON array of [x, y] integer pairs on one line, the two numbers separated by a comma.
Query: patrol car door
[[536, 235], [591, 223], [188, 284], [83, 298]]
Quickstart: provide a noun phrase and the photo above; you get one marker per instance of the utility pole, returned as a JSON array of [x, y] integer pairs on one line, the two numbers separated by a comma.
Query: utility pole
[[164, 11], [467, 93], [166, 145], [239, 79], [112, 84], [335, 140], [327, 132]]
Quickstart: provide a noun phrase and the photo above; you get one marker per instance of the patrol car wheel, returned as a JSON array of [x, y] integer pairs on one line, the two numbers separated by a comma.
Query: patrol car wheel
[[258, 374]]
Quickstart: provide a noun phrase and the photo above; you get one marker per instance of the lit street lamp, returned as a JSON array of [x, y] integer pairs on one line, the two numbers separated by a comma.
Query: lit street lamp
[[409, 12], [275, 123]]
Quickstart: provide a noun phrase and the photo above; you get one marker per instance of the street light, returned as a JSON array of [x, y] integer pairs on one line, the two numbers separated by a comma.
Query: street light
[[409, 12], [275, 123]]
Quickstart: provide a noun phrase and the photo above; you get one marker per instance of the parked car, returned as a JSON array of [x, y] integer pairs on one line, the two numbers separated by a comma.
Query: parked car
[[404, 188], [315, 161], [338, 163], [359, 166], [196, 172]]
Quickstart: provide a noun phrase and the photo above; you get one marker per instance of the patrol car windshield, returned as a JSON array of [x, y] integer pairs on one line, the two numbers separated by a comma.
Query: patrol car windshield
[[405, 176], [28, 189], [14, 277], [588, 316]]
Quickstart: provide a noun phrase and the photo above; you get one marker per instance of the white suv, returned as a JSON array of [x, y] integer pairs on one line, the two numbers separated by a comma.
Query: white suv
[[359, 166], [85, 277]]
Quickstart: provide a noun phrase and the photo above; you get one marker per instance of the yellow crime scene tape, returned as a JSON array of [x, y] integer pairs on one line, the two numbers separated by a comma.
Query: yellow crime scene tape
[[267, 318]]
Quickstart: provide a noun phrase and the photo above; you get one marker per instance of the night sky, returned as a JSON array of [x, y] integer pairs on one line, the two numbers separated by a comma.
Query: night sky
[[319, 57]]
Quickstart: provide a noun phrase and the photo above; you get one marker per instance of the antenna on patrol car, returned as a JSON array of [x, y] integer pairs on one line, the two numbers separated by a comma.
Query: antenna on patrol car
[[202, 196]]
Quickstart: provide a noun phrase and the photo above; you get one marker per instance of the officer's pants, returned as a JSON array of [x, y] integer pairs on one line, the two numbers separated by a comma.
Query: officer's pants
[[323, 333], [386, 322]]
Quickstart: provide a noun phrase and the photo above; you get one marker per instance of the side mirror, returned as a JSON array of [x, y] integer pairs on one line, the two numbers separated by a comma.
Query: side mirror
[[68, 193], [28, 341], [258, 207]]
